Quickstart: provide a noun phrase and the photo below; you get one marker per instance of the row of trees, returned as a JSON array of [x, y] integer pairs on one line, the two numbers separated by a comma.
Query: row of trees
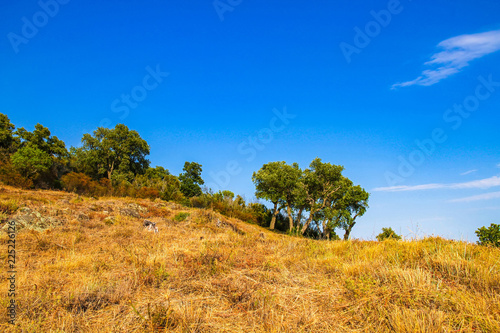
[[109, 162], [317, 200], [312, 202]]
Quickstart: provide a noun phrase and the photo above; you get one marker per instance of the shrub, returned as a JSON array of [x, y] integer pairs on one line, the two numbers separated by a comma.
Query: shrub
[[77, 182], [82, 184], [489, 236], [388, 233], [199, 202], [181, 216], [124, 188], [148, 193], [9, 176], [244, 216]]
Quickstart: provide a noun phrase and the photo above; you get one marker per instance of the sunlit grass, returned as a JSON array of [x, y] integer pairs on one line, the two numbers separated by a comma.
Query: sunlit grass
[[91, 276]]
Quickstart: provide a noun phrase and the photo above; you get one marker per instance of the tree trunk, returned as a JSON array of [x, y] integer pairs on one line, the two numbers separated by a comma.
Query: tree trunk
[[110, 170], [290, 217], [348, 231], [299, 217], [323, 232], [349, 227], [273, 220], [309, 220]]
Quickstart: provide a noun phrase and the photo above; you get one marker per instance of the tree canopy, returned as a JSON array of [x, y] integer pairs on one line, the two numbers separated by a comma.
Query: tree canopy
[[329, 198], [110, 151], [191, 179], [8, 141]]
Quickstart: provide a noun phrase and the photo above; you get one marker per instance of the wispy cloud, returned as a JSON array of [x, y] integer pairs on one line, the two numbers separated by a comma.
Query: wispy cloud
[[486, 196], [457, 53], [468, 172], [480, 183]]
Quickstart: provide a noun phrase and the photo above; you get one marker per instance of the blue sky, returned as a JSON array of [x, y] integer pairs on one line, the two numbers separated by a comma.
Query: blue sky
[[404, 94]]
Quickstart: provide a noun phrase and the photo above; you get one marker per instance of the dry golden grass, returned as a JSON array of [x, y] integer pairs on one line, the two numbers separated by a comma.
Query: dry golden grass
[[98, 271]]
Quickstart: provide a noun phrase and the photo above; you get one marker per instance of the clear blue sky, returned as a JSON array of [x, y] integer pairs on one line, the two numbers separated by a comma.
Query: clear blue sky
[[363, 80]]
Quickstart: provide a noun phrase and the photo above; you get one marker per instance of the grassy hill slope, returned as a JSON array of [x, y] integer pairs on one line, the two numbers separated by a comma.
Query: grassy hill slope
[[87, 265]]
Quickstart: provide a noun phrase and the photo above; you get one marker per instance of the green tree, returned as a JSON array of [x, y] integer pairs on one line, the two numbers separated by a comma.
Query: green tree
[[490, 235], [31, 162], [227, 195], [39, 144], [191, 180], [157, 173], [240, 202], [330, 199], [8, 142], [388, 233], [110, 151], [269, 185], [354, 205], [279, 182], [321, 182], [160, 179], [41, 138]]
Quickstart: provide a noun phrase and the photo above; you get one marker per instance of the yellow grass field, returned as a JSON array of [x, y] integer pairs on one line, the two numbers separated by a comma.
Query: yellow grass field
[[87, 265]]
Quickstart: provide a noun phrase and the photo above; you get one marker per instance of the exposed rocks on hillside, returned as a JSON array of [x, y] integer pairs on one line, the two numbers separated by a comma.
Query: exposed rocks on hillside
[[133, 210], [26, 218]]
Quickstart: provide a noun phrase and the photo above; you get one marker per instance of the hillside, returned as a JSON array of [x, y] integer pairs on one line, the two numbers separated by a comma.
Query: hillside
[[87, 265]]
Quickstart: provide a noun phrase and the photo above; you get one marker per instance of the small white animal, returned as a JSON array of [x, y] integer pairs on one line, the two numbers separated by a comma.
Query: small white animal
[[150, 226]]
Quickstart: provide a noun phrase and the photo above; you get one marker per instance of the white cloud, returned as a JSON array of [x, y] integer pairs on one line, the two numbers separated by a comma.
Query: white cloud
[[481, 184], [486, 196], [457, 53], [468, 172]]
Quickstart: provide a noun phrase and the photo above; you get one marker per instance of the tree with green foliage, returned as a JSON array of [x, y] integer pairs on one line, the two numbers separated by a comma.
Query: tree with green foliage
[[330, 199], [388, 233], [40, 156], [160, 179], [109, 151], [240, 202], [158, 173], [31, 162], [321, 183], [490, 235], [41, 138], [270, 185], [355, 204], [191, 180], [8, 142], [227, 195]]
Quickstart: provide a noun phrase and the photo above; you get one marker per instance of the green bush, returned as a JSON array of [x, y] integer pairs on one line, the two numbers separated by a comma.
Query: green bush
[[489, 236], [181, 216], [388, 233]]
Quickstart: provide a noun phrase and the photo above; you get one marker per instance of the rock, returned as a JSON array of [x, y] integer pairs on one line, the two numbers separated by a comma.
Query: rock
[[24, 210], [33, 220], [133, 210]]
